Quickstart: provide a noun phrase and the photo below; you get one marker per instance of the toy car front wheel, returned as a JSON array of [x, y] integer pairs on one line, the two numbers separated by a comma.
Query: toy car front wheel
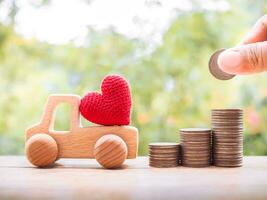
[[41, 150], [110, 151]]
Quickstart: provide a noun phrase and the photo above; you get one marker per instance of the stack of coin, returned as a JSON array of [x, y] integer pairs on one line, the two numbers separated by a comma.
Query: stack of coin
[[196, 147], [164, 154], [227, 128]]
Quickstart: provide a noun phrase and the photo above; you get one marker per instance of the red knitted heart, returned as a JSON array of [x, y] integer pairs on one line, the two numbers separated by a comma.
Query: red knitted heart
[[112, 107]]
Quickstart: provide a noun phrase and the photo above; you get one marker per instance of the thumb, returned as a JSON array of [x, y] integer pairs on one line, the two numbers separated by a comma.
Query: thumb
[[244, 59]]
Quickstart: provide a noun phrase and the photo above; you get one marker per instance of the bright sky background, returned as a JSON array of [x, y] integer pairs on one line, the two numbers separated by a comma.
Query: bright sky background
[[67, 20]]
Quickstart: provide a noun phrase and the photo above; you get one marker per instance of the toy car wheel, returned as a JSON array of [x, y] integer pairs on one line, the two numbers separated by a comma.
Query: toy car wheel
[[41, 150], [110, 151]]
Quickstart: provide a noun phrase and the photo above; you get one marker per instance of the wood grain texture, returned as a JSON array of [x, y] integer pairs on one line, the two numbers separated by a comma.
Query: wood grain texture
[[41, 150], [85, 179], [79, 141], [110, 151]]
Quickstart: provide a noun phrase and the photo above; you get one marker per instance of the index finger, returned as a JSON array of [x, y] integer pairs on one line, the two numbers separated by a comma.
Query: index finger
[[258, 33]]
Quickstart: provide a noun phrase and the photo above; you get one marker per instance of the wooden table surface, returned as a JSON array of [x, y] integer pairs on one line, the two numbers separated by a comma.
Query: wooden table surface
[[85, 179]]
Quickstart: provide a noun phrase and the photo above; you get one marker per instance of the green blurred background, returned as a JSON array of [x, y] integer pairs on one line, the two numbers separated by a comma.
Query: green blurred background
[[167, 68]]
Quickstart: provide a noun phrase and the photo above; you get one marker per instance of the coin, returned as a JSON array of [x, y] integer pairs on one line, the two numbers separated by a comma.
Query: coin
[[162, 164], [229, 160], [195, 130], [165, 152], [215, 69], [196, 164], [163, 144], [234, 110]]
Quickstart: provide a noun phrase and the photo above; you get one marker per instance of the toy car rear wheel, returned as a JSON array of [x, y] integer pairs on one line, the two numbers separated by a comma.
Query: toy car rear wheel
[[110, 151], [41, 150]]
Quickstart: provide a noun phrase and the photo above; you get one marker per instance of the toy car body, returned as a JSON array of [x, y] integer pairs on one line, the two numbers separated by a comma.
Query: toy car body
[[79, 141]]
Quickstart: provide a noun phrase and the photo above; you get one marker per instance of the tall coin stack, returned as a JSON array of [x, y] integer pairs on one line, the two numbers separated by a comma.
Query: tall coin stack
[[163, 154], [227, 128], [196, 147]]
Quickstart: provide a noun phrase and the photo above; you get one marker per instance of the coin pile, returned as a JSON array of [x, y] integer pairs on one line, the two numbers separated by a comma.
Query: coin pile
[[163, 155], [227, 128], [196, 147]]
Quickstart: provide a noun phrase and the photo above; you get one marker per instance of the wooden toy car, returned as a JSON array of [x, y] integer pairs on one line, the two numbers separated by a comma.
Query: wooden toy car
[[110, 145]]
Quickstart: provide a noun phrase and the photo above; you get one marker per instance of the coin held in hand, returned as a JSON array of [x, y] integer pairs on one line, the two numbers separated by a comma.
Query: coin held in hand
[[215, 69]]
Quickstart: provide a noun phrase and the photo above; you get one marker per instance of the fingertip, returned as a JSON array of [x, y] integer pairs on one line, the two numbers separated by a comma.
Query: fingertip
[[230, 62]]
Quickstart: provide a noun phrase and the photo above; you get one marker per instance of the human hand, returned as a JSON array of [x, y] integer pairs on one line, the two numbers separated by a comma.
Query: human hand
[[250, 56]]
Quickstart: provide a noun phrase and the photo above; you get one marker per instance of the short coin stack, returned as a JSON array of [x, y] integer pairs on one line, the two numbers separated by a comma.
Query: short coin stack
[[196, 147], [164, 154], [227, 128]]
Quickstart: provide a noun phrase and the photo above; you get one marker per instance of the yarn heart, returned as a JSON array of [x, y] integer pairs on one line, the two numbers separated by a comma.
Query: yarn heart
[[112, 106]]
